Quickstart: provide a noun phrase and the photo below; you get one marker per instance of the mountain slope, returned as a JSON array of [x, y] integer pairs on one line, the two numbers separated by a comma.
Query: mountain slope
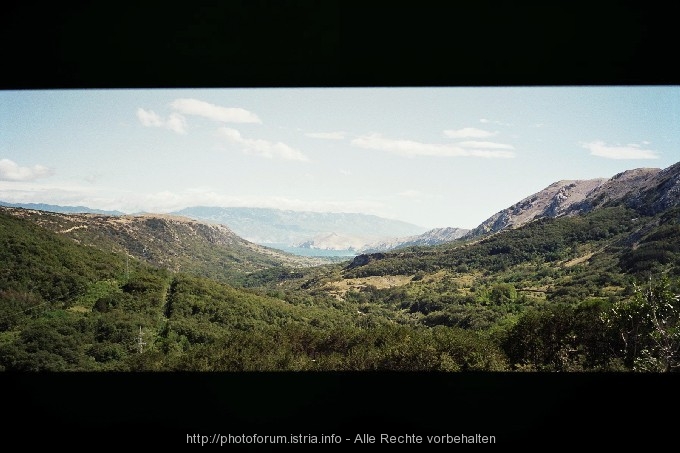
[[555, 200], [66, 306], [172, 242], [647, 190]]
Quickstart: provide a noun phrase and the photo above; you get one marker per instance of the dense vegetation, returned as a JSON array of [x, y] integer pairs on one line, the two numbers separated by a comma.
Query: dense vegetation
[[590, 293]]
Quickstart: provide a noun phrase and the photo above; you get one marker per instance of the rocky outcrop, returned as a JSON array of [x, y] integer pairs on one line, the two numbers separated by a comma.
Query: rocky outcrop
[[364, 259]]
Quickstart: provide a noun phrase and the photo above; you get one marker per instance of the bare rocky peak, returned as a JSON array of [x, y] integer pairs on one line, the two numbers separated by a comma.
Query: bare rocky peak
[[555, 200], [625, 184], [648, 190]]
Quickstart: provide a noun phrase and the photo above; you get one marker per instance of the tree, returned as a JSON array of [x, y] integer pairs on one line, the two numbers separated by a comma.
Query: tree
[[503, 293], [648, 325]]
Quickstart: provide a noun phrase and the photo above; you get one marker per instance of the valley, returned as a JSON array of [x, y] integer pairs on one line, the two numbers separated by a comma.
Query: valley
[[582, 276]]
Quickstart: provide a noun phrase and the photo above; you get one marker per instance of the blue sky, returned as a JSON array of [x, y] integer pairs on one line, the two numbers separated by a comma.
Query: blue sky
[[435, 157]]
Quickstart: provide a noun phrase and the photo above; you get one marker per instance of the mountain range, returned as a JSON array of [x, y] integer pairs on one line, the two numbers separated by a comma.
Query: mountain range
[[305, 229], [648, 190]]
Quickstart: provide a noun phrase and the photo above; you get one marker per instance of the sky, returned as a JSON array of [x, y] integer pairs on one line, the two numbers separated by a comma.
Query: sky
[[431, 156]]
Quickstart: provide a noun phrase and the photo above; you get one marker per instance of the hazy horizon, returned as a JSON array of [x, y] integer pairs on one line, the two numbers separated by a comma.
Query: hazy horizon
[[432, 157]]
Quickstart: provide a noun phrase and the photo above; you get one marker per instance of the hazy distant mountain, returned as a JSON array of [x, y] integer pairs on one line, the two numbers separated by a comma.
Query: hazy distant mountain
[[269, 226], [61, 209], [648, 190], [431, 237]]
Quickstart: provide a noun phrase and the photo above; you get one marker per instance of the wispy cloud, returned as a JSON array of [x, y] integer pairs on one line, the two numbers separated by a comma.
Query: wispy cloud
[[167, 201], [92, 178], [261, 147], [66, 194], [295, 204], [326, 135], [164, 201], [469, 132], [214, 112], [484, 145], [631, 151], [488, 121], [412, 148], [175, 121], [149, 118], [11, 171]]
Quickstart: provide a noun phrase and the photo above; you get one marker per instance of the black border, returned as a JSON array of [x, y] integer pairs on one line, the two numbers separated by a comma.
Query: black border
[[158, 410], [266, 43], [340, 44]]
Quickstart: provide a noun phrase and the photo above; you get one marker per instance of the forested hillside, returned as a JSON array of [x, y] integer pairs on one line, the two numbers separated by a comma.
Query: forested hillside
[[591, 292], [70, 307]]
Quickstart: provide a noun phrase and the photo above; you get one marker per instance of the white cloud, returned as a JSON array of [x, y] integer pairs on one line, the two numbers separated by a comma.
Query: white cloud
[[11, 171], [631, 151], [412, 148], [469, 132], [484, 145], [327, 135], [261, 147], [487, 121], [176, 123], [214, 112], [65, 194], [149, 118], [165, 201]]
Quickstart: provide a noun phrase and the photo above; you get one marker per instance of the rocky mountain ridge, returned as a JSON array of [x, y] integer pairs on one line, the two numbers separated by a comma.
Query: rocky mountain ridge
[[647, 190]]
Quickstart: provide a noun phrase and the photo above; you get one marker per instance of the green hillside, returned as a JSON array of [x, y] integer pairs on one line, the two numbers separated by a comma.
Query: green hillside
[[595, 292], [567, 276], [70, 307], [174, 243]]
